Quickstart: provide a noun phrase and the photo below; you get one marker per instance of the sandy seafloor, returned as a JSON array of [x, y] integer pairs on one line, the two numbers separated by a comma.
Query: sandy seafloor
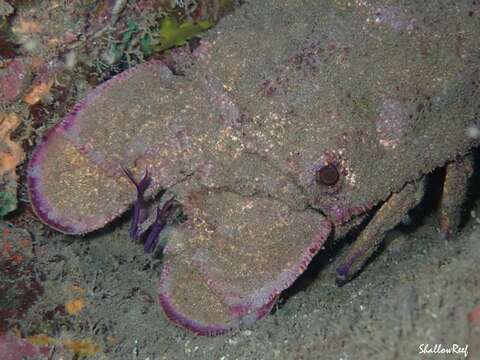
[[418, 290]]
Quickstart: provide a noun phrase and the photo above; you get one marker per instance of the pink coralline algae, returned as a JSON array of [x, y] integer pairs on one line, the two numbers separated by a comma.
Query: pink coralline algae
[[269, 143], [13, 79], [13, 348]]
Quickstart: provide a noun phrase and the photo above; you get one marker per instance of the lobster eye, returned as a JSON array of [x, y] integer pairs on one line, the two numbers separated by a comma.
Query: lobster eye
[[327, 175]]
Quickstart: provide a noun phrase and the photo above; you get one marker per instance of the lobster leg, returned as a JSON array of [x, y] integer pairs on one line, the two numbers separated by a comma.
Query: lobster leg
[[454, 195], [387, 217]]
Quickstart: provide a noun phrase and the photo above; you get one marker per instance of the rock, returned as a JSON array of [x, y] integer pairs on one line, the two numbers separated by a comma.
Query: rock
[[5, 8], [13, 80]]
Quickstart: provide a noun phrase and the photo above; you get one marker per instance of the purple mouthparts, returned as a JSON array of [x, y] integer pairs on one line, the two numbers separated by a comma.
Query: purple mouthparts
[[154, 230], [138, 212]]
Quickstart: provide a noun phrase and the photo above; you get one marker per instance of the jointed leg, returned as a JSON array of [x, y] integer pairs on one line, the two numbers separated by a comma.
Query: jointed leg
[[454, 194], [387, 217]]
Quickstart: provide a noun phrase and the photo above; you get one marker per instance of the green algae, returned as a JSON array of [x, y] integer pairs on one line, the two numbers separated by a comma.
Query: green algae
[[167, 34], [173, 33]]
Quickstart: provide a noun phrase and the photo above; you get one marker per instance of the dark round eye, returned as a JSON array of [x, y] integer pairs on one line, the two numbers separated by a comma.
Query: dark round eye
[[327, 175]]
